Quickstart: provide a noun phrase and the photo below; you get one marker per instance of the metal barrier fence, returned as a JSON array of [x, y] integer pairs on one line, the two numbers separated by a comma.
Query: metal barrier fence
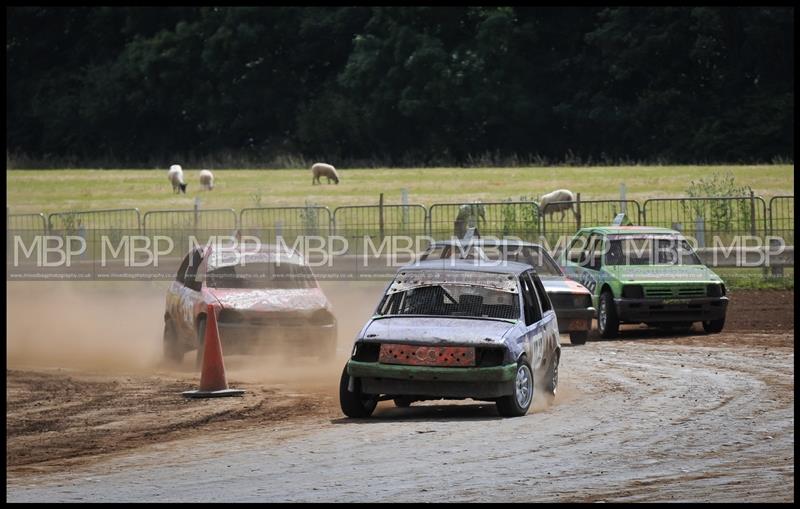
[[94, 225], [781, 218], [179, 225], [724, 217], [379, 222], [25, 227], [705, 218], [111, 219], [27, 222], [498, 219], [564, 218], [267, 223]]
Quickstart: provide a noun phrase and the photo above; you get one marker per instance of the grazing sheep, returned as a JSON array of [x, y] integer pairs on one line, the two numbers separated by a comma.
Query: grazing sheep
[[175, 176], [207, 179], [560, 195], [470, 215], [324, 170]]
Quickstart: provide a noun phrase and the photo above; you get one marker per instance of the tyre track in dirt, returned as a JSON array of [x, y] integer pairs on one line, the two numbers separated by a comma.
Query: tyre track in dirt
[[658, 418]]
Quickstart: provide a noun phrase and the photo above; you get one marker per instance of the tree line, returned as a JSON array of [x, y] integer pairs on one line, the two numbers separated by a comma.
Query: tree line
[[399, 86]]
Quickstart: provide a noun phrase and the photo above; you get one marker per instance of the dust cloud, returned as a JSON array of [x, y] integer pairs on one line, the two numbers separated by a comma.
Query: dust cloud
[[118, 326], [85, 325]]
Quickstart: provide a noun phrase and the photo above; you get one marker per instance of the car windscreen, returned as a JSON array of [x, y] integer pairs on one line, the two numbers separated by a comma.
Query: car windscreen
[[269, 275], [650, 250], [452, 300]]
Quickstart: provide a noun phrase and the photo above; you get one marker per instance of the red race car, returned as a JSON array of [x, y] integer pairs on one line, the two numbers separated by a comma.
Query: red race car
[[267, 299]]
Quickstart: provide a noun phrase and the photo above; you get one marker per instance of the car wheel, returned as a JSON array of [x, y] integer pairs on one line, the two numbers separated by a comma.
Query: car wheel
[[518, 403], [173, 351], [607, 321], [578, 337], [552, 375], [714, 326], [355, 404], [403, 402], [201, 339]]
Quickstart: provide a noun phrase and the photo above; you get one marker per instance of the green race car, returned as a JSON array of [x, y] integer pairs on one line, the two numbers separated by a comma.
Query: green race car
[[640, 274]]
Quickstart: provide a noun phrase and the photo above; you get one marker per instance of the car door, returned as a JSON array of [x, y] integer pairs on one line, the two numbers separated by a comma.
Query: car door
[[549, 322], [174, 293], [573, 255], [591, 263], [533, 320], [189, 293]]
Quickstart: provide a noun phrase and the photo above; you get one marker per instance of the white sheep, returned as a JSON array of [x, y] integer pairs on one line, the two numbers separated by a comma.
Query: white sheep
[[323, 170], [560, 195], [207, 179], [175, 176]]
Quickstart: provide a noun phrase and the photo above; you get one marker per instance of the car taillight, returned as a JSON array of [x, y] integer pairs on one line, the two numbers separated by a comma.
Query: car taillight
[[322, 317], [633, 291]]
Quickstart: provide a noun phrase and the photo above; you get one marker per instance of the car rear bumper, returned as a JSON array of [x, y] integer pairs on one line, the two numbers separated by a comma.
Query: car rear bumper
[[313, 340], [671, 310], [574, 319], [452, 382]]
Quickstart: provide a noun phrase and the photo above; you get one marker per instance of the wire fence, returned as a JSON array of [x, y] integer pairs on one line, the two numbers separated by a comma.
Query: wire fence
[[781, 218], [289, 223], [707, 218], [702, 218], [185, 226], [374, 223], [93, 226], [563, 218], [497, 219]]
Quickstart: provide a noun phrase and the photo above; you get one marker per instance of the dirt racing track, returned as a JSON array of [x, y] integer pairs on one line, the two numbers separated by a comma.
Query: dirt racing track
[[652, 416]]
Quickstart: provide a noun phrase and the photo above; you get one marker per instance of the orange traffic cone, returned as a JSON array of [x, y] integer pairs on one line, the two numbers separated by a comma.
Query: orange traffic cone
[[212, 379]]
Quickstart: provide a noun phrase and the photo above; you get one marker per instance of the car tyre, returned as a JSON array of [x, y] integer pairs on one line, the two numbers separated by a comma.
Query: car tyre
[[714, 326], [518, 403], [403, 402], [607, 320], [552, 375], [355, 404], [173, 352], [578, 337]]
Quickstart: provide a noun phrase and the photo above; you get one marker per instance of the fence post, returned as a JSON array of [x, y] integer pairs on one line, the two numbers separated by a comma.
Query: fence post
[[196, 211], [380, 217], [543, 220], [752, 214], [578, 212], [622, 205], [700, 231], [776, 270], [404, 194]]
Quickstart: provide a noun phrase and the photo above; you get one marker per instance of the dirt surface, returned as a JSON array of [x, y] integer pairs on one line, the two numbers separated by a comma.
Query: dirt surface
[[60, 418], [760, 310], [652, 416]]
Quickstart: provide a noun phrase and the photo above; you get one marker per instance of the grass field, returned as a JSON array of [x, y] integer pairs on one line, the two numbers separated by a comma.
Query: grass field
[[63, 190]]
